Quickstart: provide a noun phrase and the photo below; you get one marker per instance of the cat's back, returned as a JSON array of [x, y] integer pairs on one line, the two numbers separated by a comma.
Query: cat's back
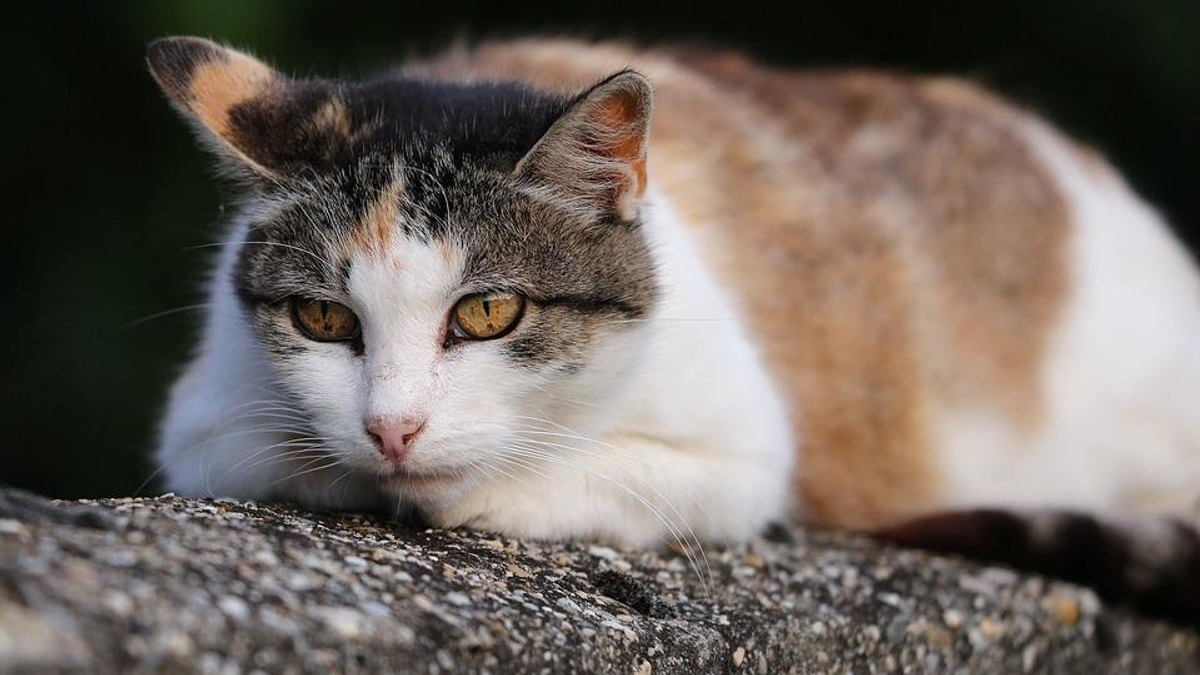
[[923, 265]]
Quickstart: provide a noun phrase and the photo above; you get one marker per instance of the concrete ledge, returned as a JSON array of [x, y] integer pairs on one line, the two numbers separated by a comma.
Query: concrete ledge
[[170, 585]]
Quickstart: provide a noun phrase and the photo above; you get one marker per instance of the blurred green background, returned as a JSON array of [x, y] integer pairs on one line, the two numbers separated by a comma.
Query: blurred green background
[[107, 196]]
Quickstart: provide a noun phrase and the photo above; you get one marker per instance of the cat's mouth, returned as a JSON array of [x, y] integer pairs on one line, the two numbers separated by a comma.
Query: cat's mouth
[[422, 479]]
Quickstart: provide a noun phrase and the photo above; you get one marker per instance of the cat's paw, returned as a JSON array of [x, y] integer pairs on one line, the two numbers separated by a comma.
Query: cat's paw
[[529, 515]]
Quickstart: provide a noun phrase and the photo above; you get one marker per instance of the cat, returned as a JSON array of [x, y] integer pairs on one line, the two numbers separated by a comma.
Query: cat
[[568, 290]]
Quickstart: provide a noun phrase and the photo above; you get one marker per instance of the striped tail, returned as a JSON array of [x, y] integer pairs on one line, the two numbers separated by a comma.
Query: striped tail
[[1150, 564]]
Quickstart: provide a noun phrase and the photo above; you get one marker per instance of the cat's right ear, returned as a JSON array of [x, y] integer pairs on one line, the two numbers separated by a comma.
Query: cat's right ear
[[260, 121]]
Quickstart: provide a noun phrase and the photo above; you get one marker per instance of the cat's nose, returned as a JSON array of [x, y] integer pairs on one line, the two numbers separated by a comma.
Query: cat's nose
[[393, 436]]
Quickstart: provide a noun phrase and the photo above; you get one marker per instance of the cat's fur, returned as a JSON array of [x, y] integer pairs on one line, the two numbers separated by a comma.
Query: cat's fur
[[862, 297]]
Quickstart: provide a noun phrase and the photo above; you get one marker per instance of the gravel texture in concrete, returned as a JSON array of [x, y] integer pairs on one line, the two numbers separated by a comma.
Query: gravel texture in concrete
[[171, 585]]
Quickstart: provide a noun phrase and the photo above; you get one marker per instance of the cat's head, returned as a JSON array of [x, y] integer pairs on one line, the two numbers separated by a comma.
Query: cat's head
[[435, 270]]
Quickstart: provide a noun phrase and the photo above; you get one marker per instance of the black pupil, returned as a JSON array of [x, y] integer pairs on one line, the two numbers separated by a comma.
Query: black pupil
[[487, 306], [329, 324]]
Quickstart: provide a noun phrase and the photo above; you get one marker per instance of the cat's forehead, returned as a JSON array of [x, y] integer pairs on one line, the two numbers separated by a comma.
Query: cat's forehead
[[330, 127], [314, 233], [427, 157], [432, 198], [476, 227], [488, 124]]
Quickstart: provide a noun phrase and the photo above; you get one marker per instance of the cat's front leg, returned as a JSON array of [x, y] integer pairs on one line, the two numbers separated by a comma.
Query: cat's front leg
[[626, 489]]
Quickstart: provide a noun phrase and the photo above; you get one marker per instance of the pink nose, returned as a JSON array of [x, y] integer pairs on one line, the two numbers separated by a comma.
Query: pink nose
[[393, 436]]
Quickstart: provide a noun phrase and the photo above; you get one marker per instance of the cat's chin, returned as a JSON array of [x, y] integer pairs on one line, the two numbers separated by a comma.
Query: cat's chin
[[426, 481], [428, 489]]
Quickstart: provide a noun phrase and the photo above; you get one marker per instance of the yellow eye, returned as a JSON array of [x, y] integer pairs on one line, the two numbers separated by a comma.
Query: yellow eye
[[483, 316], [323, 320]]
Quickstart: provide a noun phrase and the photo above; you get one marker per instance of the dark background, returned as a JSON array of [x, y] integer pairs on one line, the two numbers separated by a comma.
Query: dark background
[[105, 193]]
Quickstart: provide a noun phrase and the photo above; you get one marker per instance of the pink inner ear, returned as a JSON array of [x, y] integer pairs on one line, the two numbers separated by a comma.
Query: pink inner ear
[[595, 154], [620, 114]]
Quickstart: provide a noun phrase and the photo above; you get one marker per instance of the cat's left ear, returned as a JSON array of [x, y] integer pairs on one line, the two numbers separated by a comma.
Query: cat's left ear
[[595, 153], [264, 123]]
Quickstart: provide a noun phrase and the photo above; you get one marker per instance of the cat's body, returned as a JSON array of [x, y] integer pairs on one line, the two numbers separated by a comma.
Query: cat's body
[[864, 297], [960, 305]]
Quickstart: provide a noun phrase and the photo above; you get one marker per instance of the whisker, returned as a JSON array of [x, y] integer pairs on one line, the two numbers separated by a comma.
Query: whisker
[[310, 446], [509, 475], [237, 433], [624, 462], [305, 251], [671, 319], [678, 535], [329, 488], [158, 315], [299, 473], [152, 476], [624, 457]]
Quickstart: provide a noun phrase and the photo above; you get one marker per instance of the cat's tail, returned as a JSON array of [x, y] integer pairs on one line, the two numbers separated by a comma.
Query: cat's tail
[[1151, 564]]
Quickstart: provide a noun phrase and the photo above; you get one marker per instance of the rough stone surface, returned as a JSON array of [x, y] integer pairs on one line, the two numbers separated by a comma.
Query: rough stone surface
[[169, 585]]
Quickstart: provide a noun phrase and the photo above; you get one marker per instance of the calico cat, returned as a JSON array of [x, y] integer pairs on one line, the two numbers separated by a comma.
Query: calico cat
[[524, 288]]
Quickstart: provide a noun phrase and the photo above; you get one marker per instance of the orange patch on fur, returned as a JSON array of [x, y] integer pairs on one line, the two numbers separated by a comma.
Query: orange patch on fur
[[374, 231], [333, 118], [895, 247], [217, 86]]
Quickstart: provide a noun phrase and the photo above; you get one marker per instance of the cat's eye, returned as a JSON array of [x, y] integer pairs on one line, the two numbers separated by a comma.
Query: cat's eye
[[484, 316], [323, 320]]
